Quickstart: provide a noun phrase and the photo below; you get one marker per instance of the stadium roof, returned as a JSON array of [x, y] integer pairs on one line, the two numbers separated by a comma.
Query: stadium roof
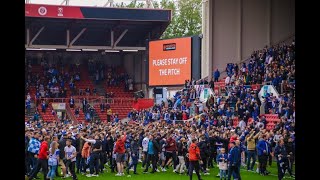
[[74, 27]]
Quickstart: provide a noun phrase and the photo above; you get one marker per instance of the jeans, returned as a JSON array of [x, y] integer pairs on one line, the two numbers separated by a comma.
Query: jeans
[[42, 163], [182, 165], [145, 155], [52, 172], [234, 170], [151, 157], [78, 162], [172, 155], [263, 163], [71, 166], [32, 161], [134, 165], [94, 162], [194, 165], [223, 174], [83, 165], [204, 165], [251, 154]]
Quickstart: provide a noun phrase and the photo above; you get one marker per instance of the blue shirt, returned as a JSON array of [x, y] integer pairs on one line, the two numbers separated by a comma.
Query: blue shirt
[[150, 148]]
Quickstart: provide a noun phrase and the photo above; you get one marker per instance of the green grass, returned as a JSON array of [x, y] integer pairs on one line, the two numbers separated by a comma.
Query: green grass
[[169, 175]]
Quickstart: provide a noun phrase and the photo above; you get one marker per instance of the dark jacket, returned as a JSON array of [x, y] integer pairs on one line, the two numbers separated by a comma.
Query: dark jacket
[[280, 150], [234, 156], [156, 147], [204, 151], [261, 146], [134, 146]]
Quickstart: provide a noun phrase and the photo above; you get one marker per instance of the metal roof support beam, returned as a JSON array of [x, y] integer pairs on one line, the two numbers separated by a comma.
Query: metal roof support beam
[[68, 37], [109, 2], [120, 37], [35, 37], [66, 2], [112, 38], [77, 37], [28, 35]]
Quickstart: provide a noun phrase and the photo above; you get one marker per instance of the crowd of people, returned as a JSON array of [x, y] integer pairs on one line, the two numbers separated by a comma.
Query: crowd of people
[[183, 133]]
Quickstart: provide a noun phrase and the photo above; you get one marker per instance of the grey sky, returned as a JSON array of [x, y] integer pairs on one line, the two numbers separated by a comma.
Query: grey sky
[[81, 2]]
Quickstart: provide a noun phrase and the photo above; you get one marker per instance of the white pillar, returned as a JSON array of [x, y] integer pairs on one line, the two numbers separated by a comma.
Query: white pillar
[[205, 39], [210, 38]]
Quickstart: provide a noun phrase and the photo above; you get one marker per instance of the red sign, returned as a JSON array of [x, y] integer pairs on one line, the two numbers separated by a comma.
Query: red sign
[[53, 11]]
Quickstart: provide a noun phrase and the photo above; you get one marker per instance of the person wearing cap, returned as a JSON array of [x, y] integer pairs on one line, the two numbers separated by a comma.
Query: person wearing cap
[[194, 157], [234, 161]]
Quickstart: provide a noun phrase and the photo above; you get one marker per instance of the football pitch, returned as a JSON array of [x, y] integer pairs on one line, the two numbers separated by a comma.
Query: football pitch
[[170, 175]]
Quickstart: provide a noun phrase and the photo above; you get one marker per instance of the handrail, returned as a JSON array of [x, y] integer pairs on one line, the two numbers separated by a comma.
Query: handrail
[[71, 115], [91, 100]]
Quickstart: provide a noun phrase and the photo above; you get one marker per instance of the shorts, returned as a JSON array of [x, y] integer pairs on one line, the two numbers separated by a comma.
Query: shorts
[[162, 156], [61, 163], [120, 158]]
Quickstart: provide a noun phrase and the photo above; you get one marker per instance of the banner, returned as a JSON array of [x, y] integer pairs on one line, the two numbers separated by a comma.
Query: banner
[[59, 106], [169, 61], [53, 11]]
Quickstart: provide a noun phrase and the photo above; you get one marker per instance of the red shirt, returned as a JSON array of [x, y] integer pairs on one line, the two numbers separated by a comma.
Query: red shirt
[[43, 152], [120, 145], [184, 116]]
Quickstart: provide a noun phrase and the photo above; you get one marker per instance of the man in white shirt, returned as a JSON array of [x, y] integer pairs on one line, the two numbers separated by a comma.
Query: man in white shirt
[[70, 155], [242, 125], [227, 80], [145, 143]]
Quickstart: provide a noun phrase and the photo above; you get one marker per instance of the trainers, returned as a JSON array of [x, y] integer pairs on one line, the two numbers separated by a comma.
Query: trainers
[[194, 172], [174, 171], [89, 175], [206, 174], [163, 169], [218, 175], [257, 171], [131, 169], [140, 161], [157, 170], [95, 175], [122, 174], [118, 174], [208, 169]]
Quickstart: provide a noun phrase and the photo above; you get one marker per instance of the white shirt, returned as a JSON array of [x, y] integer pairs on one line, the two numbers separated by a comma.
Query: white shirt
[[69, 151], [145, 143], [242, 125], [227, 81]]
